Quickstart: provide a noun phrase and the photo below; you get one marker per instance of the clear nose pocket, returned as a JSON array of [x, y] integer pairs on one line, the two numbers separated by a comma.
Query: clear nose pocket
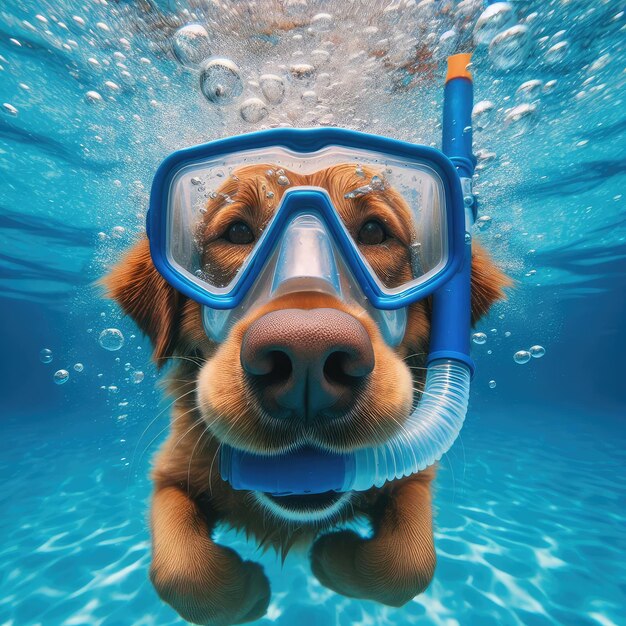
[[306, 259], [305, 252]]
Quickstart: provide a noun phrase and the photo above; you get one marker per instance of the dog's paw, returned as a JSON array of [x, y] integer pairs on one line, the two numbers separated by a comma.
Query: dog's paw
[[220, 591], [365, 569]]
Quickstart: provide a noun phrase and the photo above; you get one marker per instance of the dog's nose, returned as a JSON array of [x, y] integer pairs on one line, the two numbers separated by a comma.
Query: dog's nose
[[302, 362]]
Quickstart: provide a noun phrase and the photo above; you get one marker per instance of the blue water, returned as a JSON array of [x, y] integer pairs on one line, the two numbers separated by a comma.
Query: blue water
[[531, 501]]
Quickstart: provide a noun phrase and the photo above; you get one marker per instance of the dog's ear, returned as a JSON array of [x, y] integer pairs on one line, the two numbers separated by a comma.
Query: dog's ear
[[145, 295], [488, 282]]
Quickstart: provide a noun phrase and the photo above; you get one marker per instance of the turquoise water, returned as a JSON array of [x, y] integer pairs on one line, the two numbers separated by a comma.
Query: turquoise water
[[531, 499]]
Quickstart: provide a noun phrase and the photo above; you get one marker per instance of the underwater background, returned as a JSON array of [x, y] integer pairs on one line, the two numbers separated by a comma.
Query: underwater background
[[531, 500]]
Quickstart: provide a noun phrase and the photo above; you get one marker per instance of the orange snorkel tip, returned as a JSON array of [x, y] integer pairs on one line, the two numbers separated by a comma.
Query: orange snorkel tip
[[458, 66]]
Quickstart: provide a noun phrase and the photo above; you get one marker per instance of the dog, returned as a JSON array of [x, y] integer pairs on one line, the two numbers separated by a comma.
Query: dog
[[221, 398]]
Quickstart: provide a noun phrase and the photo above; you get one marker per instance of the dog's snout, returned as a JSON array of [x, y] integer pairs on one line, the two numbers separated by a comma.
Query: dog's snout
[[307, 362]]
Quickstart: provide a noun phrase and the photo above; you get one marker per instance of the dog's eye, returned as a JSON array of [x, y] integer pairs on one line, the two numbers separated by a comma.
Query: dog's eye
[[239, 233], [372, 233]]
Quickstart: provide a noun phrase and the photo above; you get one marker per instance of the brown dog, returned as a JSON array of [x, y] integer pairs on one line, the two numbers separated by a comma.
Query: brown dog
[[222, 398]]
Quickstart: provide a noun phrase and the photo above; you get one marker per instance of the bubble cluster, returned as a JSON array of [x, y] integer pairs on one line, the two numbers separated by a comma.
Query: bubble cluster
[[111, 339], [535, 352]]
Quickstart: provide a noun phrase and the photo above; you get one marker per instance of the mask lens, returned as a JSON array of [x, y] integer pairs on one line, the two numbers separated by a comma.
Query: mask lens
[[393, 211]]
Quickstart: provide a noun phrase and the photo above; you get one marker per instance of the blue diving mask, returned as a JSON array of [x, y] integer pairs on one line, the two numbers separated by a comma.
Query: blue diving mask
[[238, 222]]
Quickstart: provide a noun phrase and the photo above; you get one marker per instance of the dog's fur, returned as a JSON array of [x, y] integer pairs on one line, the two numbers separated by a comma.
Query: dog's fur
[[208, 583]]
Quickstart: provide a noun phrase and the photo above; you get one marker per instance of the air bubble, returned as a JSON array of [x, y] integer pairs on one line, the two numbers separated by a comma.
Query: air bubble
[[377, 183], [482, 114], [253, 110], [521, 357], [522, 117], [319, 57], [492, 20], [60, 377], [322, 22], [93, 97], [302, 71], [549, 86], [537, 351], [45, 356], [309, 97], [191, 45], [492, 384], [138, 376], [483, 222], [10, 109], [272, 87], [510, 48], [529, 91], [479, 338], [78, 367], [117, 232], [220, 81], [557, 53], [111, 339]]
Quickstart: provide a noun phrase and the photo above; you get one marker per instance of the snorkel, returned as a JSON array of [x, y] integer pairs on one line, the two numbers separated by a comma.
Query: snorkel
[[436, 420]]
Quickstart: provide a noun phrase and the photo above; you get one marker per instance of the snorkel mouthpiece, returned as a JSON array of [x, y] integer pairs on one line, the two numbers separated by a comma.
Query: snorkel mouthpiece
[[426, 435]]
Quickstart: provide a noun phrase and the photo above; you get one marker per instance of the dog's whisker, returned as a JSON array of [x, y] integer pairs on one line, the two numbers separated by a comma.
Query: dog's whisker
[[166, 427], [185, 434], [132, 464], [195, 361]]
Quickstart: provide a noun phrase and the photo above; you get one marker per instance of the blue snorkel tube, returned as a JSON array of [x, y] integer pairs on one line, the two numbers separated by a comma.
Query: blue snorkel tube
[[436, 421], [450, 337]]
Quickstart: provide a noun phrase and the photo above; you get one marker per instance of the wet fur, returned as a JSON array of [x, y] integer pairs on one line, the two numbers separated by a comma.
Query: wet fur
[[208, 583]]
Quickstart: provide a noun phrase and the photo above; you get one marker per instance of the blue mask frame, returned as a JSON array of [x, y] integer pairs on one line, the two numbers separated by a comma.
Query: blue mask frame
[[306, 141]]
